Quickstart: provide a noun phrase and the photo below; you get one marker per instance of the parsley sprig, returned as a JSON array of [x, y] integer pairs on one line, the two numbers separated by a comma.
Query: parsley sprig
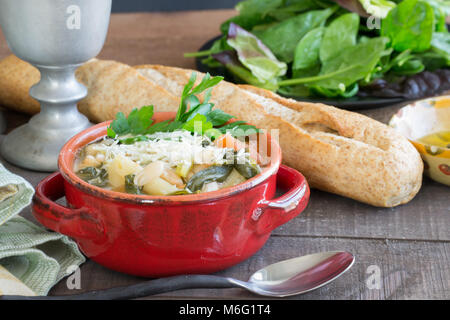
[[192, 115]]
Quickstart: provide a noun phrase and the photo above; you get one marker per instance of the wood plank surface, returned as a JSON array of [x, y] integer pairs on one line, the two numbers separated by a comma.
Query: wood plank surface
[[408, 270], [156, 38], [410, 243]]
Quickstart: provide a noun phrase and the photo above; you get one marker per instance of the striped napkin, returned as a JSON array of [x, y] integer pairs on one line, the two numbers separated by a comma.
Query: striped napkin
[[32, 260]]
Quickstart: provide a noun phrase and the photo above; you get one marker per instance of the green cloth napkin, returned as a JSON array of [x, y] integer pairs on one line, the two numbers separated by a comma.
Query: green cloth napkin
[[36, 257]]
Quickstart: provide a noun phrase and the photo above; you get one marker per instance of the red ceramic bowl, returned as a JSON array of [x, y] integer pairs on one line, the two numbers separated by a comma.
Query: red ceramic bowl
[[157, 236]]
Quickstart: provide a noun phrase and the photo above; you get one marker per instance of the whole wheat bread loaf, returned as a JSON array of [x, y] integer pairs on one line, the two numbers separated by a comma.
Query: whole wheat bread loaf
[[338, 151]]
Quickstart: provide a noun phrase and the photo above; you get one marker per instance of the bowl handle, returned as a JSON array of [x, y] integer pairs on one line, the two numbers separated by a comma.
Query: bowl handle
[[275, 212], [75, 223]]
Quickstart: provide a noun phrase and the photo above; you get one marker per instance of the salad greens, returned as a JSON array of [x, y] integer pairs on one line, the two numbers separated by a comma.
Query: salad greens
[[306, 55], [254, 55], [344, 28], [282, 38], [330, 48], [410, 25], [193, 115]]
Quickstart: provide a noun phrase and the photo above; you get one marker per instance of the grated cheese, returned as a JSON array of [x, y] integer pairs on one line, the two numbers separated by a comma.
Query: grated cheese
[[173, 148]]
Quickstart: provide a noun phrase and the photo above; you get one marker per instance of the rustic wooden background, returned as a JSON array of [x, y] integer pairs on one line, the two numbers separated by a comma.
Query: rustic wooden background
[[410, 244]]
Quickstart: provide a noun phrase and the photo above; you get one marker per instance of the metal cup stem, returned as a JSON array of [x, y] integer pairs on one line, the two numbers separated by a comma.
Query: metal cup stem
[[36, 145]]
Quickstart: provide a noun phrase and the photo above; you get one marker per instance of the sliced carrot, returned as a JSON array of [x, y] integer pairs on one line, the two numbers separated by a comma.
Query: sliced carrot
[[227, 141]]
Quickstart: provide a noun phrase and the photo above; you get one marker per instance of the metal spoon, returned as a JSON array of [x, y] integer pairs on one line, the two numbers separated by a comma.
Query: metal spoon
[[282, 279]]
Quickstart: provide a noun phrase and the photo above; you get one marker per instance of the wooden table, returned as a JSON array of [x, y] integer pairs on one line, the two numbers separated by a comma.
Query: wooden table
[[409, 245]]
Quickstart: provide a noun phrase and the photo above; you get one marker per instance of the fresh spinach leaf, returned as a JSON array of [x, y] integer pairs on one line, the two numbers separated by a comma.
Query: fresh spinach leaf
[[343, 70], [409, 25], [351, 65], [433, 60], [396, 59], [410, 67], [307, 50], [339, 35], [283, 38], [307, 72]]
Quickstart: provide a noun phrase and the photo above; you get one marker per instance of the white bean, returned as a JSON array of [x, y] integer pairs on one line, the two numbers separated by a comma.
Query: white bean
[[150, 172]]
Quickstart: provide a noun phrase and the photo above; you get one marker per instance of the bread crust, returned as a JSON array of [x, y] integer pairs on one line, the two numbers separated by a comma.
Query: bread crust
[[113, 87], [338, 151]]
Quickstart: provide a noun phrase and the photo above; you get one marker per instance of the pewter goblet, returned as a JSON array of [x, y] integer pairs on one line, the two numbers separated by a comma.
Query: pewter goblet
[[56, 36]]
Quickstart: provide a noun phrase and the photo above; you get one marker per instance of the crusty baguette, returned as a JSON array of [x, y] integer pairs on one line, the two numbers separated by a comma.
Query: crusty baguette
[[338, 151], [115, 87], [112, 87]]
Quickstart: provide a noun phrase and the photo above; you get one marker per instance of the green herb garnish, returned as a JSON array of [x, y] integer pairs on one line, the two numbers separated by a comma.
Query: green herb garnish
[[192, 115], [137, 122]]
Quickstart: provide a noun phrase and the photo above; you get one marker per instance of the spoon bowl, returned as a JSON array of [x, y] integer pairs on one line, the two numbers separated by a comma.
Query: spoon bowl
[[300, 275]]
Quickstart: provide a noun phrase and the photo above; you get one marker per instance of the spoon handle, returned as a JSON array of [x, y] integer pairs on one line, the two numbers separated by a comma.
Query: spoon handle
[[143, 289]]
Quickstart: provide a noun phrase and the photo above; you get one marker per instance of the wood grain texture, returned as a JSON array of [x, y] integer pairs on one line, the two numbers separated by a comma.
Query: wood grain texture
[[156, 38], [410, 243], [408, 270]]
